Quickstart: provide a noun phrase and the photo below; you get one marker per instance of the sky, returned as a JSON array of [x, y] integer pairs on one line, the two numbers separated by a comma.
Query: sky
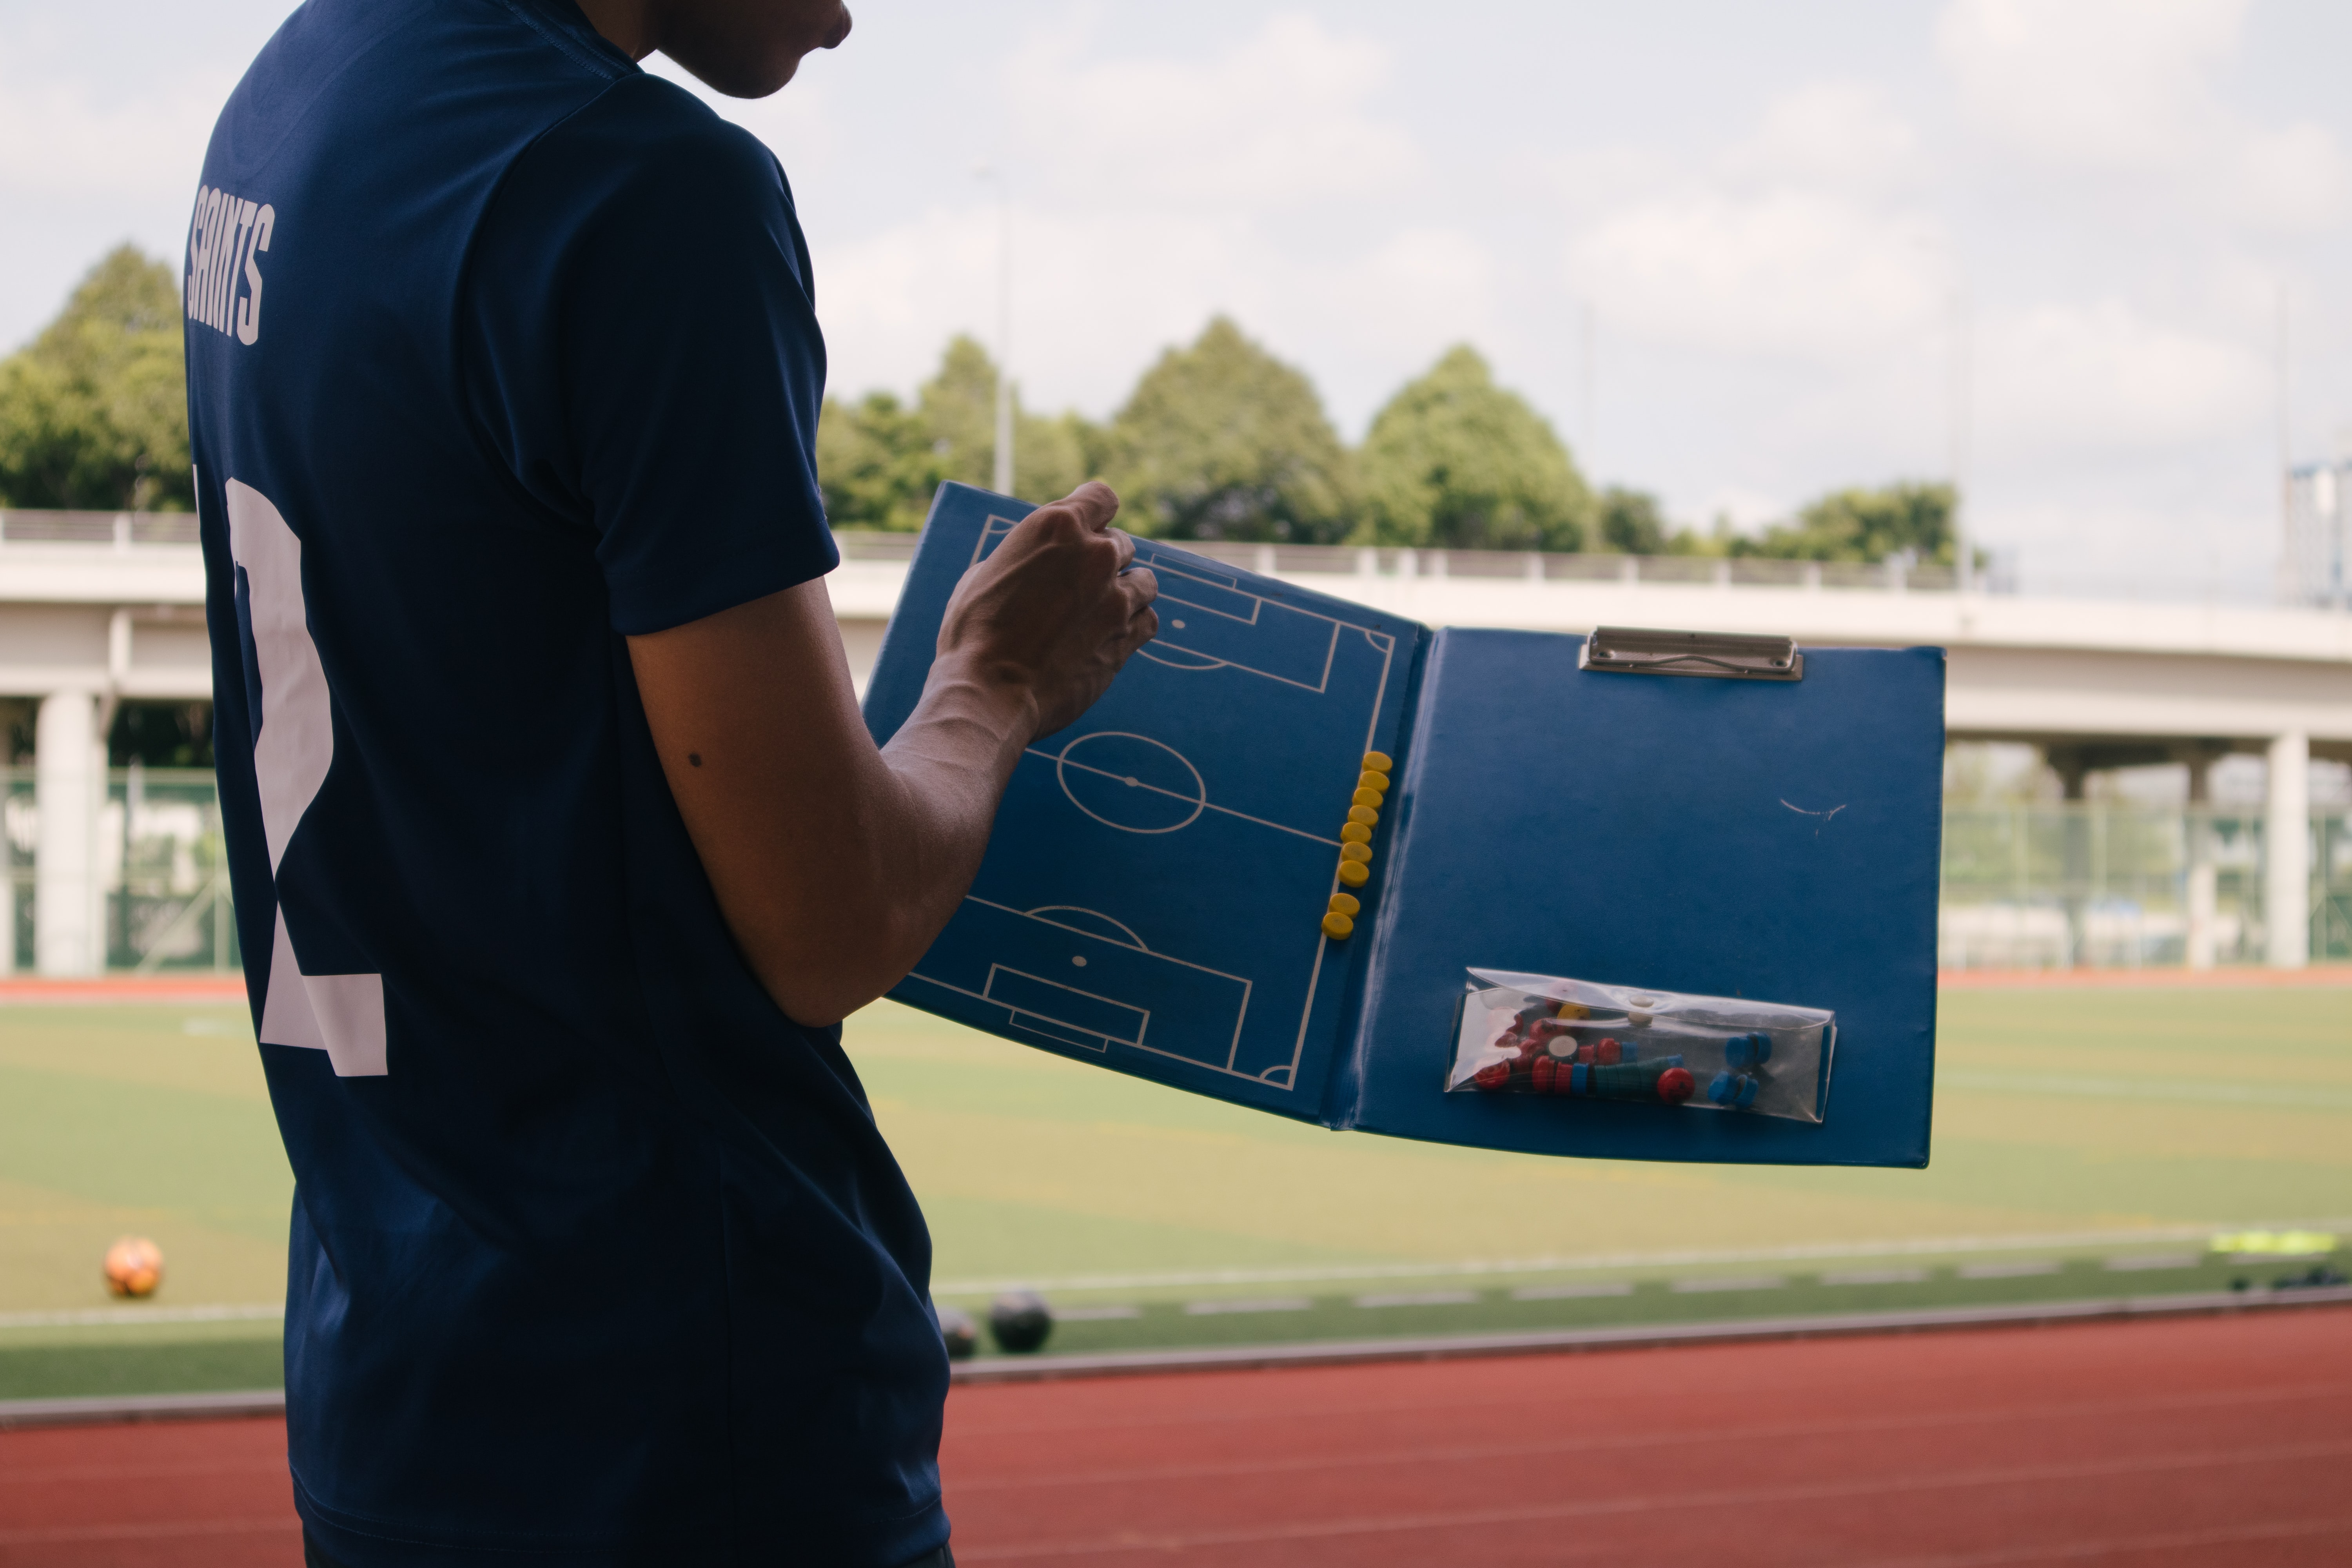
[[1738, 255]]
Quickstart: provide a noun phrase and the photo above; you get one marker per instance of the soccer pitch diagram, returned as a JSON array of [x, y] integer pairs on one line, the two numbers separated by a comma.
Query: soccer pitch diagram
[[1153, 894]]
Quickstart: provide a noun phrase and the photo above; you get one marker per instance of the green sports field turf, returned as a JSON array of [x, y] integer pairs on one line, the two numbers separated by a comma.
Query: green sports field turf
[[2072, 1125]]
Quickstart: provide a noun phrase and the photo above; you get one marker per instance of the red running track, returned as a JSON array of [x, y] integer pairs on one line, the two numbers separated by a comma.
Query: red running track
[[2215, 1441]]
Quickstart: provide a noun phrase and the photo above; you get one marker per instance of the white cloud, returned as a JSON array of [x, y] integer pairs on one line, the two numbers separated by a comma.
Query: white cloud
[[1799, 240], [1837, 135], [1206, 161], [1797, 273], [1283, 117], [2102, 83], [2125, 87], [1090, 308], [60, 139], [2104, 375]]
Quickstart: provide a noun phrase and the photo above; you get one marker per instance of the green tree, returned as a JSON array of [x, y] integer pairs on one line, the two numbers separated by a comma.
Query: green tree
[[94, 413], [1222, 440], [1865, 525], [1631, 523], [880, 460], [877, 463], [1455, 461], [1050, 457]]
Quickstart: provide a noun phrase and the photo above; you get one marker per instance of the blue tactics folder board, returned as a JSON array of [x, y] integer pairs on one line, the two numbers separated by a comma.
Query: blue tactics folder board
[[1152, 895]]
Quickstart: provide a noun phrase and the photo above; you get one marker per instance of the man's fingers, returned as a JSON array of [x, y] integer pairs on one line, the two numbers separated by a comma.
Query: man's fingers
[[1094, 502], [1141, 630], [1125, 542], [1142, 587]]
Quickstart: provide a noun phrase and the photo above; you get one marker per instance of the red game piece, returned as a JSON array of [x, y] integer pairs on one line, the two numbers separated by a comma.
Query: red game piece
[[1493, 1076], [1544, 1071], [1676, 1085], [1607, 1050]]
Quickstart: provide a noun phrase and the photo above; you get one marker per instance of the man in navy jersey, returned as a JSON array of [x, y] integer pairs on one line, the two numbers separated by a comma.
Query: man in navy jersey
[[560, 849]]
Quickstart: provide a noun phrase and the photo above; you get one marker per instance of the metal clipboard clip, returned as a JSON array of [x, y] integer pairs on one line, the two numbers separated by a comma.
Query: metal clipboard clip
[[1725, 656]]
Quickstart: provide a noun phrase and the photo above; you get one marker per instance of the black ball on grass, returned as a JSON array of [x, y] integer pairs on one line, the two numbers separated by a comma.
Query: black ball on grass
[[1020, 1322], [957, 1330]]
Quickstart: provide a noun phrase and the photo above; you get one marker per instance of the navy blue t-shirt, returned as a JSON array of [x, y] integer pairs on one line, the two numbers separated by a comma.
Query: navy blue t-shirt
[[499, 351]]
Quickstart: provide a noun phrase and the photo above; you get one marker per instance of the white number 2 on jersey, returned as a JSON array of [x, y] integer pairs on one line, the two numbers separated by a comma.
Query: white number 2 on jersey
[[341, 1014]]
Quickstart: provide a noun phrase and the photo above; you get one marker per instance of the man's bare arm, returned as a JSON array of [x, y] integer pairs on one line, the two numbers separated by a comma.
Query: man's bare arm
[[835, 864]]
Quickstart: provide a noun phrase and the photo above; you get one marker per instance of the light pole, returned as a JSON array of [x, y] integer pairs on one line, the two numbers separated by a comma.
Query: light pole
[[1959, 397], [1960, 392], [1588, 347], [1002, 481]]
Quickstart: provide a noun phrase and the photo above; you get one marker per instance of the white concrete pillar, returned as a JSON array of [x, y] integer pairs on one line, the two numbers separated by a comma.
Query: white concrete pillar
[[68, 773], [2286, 864], [2200, 890]]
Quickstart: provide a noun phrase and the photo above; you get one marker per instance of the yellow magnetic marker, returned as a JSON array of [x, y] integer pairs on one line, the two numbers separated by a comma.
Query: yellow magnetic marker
[[1360, 853], [1337, 926], [1363, 813], [1376, 762], [1344, 904], [1355, 833], [1354, 873]]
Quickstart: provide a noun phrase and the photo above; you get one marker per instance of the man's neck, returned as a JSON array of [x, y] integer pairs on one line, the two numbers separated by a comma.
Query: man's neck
[[626, 25]]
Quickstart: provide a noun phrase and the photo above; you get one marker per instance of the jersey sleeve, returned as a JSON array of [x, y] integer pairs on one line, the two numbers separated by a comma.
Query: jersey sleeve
[[640, 344]]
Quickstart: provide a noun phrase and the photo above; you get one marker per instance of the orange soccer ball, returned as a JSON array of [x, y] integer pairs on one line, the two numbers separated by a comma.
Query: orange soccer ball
[[134, 1267]]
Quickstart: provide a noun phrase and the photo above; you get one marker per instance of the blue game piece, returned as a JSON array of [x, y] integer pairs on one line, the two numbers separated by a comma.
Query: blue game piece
[[1673, 1061], [1721, 1088], [1580, 1079], [1739, 1051], [1763, 1046], [1628, 1051], [1747, 1088]]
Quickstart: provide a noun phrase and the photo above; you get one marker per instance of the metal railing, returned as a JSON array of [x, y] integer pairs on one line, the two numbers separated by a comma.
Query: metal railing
[[132, 530], [1513, 565], [122, 530]]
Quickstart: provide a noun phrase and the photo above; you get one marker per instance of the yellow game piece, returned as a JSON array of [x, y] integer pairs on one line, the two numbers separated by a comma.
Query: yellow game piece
[[1377, 762], [1356, 833], [1362, 853], [1363, 813], [1573, 1010], [1344, 904], [1354, 873], [1366, 797], [1338, 925], [1369, 780]]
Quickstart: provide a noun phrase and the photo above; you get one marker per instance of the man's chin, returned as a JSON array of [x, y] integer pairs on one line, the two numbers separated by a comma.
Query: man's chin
[[737, 79]]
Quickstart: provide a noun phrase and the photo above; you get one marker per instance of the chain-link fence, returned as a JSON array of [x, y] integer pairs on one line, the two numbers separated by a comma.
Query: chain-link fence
[[2051, 885], [161, 865], [2041, 886]]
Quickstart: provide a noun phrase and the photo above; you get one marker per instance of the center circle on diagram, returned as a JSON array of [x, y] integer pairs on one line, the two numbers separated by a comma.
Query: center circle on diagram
[[1131, 782]]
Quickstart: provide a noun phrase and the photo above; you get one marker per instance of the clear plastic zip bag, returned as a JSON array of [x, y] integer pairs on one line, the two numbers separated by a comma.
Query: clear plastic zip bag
[[1578, 1039]]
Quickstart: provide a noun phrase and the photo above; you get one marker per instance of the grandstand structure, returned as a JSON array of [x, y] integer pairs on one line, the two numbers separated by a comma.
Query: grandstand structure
[[120, 867], [2313, 567]]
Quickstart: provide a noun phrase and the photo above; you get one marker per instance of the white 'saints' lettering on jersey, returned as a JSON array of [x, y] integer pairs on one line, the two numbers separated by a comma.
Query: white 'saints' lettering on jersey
[[341, 1014], [225, 240]]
